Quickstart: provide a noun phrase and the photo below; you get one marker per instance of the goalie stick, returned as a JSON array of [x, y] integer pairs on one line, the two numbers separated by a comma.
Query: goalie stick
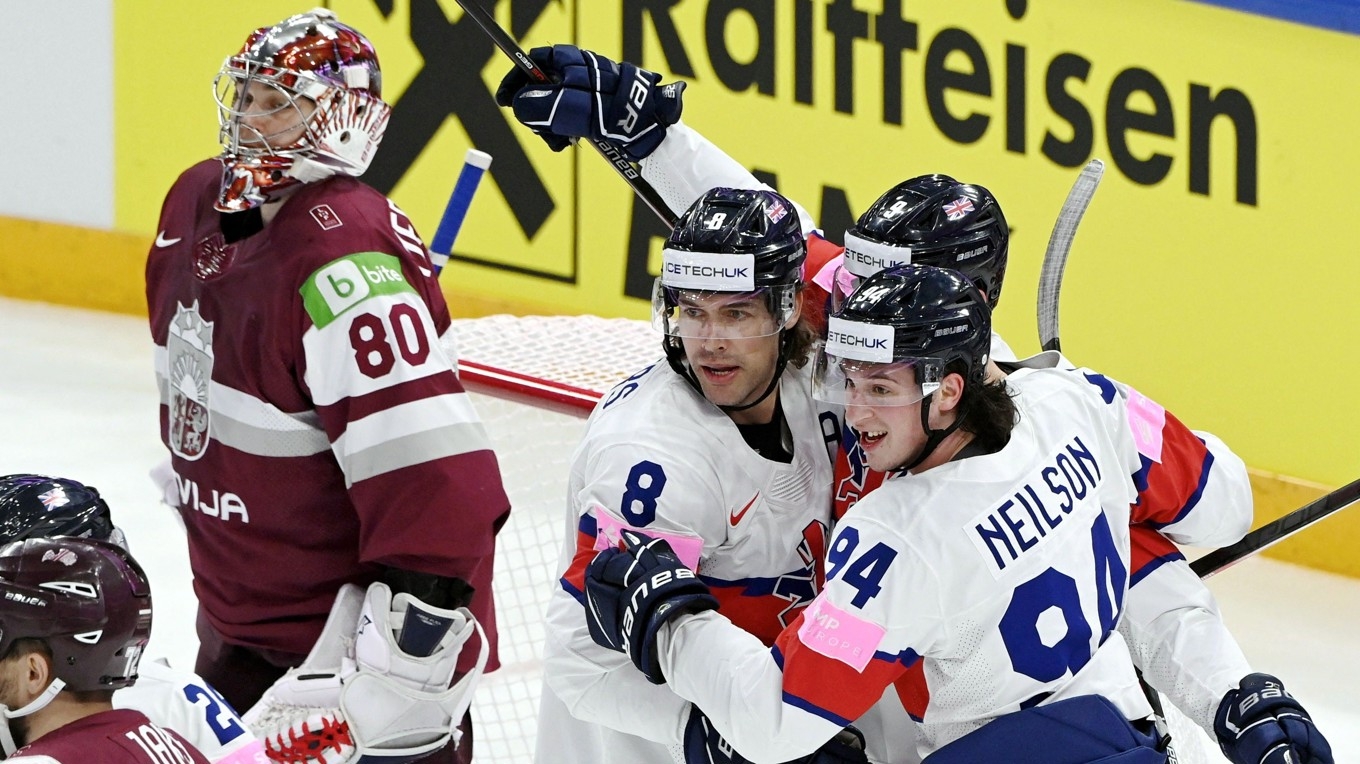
[[1277, 530], [475, 164], [1059, 244], [616, 159]]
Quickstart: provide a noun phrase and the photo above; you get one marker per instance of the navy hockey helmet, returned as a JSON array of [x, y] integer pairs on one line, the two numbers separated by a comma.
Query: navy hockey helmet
[[933, 220], [88, 600], [730, 242], [38, 506], [917, 315]]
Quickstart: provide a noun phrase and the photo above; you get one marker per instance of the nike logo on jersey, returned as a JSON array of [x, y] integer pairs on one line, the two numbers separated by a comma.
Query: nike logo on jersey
[[161, 241], [735, 517]]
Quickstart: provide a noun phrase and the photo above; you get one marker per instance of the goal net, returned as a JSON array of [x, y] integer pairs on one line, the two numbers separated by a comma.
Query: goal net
[[534, 380]]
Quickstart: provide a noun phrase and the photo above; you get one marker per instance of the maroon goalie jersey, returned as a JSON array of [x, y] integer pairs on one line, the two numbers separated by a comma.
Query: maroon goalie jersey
[[317, 427], [110, 737]]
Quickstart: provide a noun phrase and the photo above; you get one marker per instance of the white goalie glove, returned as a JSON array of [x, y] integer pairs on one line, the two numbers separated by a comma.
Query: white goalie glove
[[375, 684]]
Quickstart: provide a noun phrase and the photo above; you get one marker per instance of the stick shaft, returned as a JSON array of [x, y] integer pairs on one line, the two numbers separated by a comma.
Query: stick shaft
[[475, 164], [616, 159], [1277, 530]]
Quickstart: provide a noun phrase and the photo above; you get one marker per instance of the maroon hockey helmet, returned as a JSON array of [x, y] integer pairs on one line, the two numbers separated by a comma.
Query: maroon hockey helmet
[[88, 600], [300, 102]]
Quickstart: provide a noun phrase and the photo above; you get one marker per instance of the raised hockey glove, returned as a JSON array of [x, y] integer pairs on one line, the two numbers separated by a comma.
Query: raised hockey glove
[[592, 97], [632, 592], [705, 745], [1260, 723], [376, 684]]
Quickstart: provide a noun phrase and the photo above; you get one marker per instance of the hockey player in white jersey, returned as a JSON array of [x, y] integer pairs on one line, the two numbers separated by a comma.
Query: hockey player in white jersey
[[1192, 488], [982, 584], [717, 448], [1198, 487], [40, 506]]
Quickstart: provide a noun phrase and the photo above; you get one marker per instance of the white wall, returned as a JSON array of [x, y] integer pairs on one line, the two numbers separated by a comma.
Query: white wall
[[56, 115]]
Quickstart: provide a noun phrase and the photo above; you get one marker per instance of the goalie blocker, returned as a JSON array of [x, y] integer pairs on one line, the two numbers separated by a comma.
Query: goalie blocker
[[376, 684]]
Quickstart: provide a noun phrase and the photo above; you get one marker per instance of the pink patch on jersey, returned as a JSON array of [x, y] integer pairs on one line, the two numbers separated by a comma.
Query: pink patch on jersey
[[252, 753], [1147, 418], [838, 634], [326, 217], [608, 528]]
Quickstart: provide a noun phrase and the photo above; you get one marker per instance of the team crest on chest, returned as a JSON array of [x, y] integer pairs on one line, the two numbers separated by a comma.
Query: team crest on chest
[[190, 352], [212, 256]]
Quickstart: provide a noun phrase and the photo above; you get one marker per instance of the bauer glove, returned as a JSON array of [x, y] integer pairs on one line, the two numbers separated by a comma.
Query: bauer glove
[[592, 97], [632, 592], [1260, 723]]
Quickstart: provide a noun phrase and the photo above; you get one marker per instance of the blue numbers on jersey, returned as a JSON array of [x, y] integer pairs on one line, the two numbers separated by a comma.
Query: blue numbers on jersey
[[864, 572], [1054, 592], [625, 388], [640, 492], [217, 712]]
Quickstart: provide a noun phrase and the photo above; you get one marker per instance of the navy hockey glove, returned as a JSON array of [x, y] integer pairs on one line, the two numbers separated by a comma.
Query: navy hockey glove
[[705, 745], [592, 97], [632, 592], [1260, 723]]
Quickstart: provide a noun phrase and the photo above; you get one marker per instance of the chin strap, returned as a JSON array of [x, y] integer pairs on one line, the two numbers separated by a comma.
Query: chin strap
[[933, 437], [37, 704]]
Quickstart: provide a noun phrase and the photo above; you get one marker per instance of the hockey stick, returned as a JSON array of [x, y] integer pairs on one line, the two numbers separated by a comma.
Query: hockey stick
[[1277, 530], [475, 164], [616, 159], [1059, 244]]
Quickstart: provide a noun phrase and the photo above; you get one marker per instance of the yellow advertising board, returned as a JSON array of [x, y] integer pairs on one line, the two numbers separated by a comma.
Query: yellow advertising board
[[1214, 267]]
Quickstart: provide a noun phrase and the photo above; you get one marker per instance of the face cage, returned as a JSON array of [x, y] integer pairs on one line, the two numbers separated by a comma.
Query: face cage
[[712, 318], [298, 94], [850, 382]]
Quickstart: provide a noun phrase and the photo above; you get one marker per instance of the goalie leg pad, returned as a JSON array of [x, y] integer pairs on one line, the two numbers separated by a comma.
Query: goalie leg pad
[[360, 696]]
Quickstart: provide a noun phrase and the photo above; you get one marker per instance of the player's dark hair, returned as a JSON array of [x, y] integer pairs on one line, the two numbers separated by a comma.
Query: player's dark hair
[[987, 410], [801, 340]]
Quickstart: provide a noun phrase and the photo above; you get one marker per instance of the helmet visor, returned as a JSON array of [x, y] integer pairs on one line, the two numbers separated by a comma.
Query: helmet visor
[[707, 314], [853, 382]]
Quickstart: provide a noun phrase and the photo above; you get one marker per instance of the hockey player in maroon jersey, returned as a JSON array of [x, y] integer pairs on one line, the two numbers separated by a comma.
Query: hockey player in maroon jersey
[[75, 615], [319, 434], [42, 506]]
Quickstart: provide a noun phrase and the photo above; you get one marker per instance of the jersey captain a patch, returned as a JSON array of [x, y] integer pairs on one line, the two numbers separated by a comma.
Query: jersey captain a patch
[[190, 350]]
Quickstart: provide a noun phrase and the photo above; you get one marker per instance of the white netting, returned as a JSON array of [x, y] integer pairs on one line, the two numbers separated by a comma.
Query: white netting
[[534, 446]]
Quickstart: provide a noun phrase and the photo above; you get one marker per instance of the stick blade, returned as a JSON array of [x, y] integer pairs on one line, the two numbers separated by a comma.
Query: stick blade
[[1059, 245]]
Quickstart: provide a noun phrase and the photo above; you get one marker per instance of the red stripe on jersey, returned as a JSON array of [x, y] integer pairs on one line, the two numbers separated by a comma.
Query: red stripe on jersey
[[574, 580], [765, 616], [913, 691], [1147, 550], [1173, 484], [826, 686]]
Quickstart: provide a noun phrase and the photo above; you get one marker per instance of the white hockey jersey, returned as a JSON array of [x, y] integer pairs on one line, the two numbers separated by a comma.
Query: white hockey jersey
[[181, 701], [977, 588], [658, 457]]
